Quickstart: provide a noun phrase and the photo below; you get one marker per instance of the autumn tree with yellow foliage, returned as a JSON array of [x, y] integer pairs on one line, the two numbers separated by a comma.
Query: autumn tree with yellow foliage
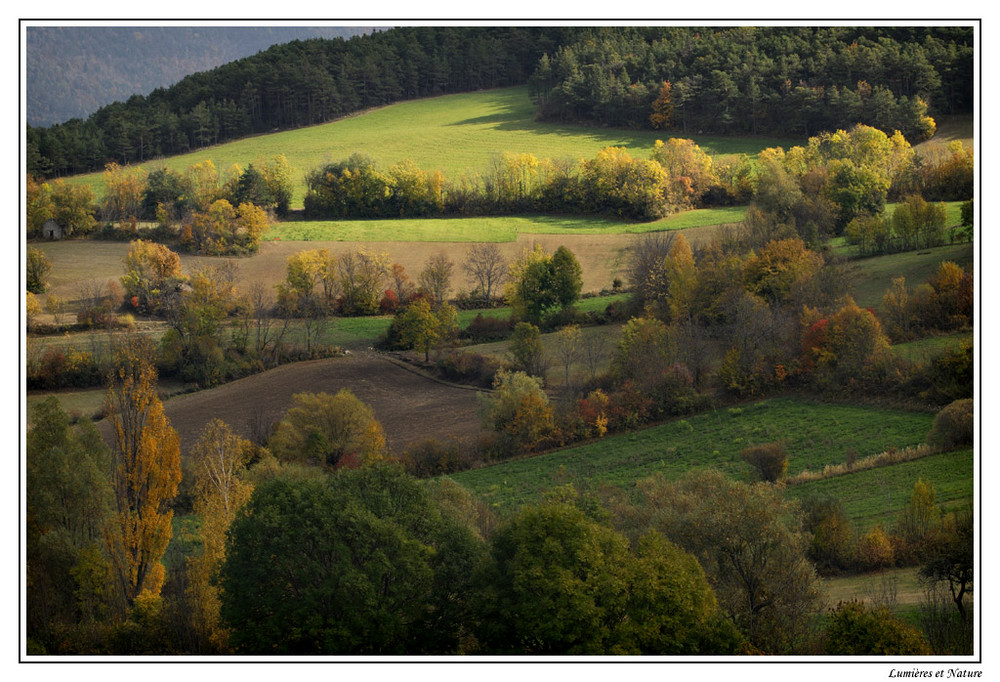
[[145, 471], [220, 458], [335, 430]]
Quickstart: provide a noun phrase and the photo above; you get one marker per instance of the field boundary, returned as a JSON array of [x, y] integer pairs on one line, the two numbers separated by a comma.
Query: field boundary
[[883, 459], [409, 367]]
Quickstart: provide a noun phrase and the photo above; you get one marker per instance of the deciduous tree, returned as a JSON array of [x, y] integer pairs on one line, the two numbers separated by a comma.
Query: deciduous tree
[[69, 505], [361, 277], [689, 171], [221, 490], [360, 562], [487, 268], [950, 559], [526, 351], [435, 278], [539, 283], [124, 188], [644, 350], [152, 275], [518, 410], [748, 539], [331, 430], [563, 583], [38, 267], [663, 108], [567, 348], [418, 326], [145, 471]]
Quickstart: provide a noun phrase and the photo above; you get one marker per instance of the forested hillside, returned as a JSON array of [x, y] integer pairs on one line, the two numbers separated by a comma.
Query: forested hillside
[[730, 80], [292, 85], [752, 80], [74, 70]]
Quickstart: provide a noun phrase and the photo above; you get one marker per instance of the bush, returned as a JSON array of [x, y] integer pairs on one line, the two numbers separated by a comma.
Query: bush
[[875, 549], [770, 460], [62, 369], [629, 406], [469, 368], [485, 329], [954, 425], [858, 630], [950, 375], [431, 457], [831, 548]]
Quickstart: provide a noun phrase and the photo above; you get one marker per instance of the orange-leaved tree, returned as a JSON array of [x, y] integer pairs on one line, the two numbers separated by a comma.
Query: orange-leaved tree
[[145, 470]]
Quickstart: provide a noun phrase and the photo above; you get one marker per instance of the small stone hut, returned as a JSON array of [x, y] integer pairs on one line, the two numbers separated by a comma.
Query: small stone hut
[[52, 230]]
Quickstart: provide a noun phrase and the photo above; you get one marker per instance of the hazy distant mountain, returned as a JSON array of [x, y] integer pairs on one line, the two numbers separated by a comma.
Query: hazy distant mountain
[[74, 70]]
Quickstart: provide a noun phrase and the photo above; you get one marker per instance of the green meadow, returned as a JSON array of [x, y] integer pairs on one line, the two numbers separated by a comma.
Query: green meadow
[[490, 229], [878, 496], [923, 350], [456, 134], [871, 277], [815, 434]]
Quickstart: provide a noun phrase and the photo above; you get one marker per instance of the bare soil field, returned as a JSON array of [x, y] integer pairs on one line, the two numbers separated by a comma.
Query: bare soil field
[[409, 406]]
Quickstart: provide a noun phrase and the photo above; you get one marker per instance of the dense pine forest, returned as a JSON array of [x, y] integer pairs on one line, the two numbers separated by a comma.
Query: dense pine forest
[[731, 80]]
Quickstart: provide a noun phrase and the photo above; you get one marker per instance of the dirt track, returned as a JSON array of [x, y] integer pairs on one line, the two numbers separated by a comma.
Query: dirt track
[[410, 407]]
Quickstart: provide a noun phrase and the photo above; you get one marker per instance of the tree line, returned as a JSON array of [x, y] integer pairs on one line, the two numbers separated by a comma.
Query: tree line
[[820, 186], [788, 80], [201, 210], [835, 178]]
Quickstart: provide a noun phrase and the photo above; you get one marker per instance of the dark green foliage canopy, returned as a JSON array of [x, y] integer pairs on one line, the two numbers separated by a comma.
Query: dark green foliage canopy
[[68, 508], [168, 188], [563, 583], [545, 283], [752, 80], [359, 562]]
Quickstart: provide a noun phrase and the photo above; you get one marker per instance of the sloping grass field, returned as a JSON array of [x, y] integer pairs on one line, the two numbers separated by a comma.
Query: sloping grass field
[[815, 434], [456, 134], [922, 351], [872, 276], [878, 496]]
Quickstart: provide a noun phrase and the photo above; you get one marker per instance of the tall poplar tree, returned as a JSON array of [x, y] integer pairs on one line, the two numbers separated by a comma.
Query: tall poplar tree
[[220, 458], [145, 471]]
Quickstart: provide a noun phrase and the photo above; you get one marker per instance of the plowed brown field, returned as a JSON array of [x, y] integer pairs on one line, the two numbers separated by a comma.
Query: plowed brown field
[[410, 406]]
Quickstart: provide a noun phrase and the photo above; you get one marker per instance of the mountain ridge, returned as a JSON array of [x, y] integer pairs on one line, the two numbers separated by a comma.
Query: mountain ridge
[[72, 71]]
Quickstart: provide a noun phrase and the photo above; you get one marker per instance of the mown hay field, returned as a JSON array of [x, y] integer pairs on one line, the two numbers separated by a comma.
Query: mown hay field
[[493, 228], [603, 258]]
